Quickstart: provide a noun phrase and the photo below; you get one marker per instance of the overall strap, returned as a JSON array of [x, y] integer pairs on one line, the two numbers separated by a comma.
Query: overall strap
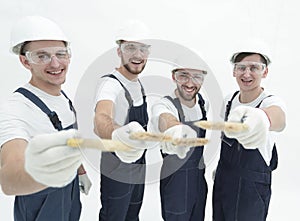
[[201, 103], [127, 94], [38, 102], [178, 106], [228, 106], [75, 126]]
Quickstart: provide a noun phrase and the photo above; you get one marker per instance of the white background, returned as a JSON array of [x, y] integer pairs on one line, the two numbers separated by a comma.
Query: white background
[[212, 29]]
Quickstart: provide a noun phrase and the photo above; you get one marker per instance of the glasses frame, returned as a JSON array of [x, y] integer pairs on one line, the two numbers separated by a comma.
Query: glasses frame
[[188, 76], [246, 65], [29, 55], [138, 46]]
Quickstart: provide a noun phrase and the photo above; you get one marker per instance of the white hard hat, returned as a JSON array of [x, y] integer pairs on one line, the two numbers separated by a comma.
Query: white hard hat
[[184, 60], [34, 28], [132, 30], [253, 45]]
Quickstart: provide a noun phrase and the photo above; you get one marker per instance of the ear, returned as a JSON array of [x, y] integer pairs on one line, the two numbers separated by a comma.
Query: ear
[[119, 52], [173, 77], [264, 75], [24, 62], [233, 73]]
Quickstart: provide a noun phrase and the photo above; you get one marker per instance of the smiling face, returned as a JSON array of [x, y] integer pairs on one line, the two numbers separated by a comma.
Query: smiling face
[[46, 76], [134, 57], [250, 79], [188, 83]]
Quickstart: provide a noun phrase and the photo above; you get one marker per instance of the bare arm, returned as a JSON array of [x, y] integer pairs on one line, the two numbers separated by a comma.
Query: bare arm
[[166, 121], [276, 117], [103, 122], [13, 177]]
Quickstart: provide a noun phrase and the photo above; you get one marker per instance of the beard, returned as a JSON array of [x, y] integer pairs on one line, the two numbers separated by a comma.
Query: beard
[[185, 96], [132, 71]]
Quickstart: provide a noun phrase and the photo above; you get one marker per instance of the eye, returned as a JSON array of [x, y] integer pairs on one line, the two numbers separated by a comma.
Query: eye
[[241, 67], [42, 56], [254, 68], [61, 54]]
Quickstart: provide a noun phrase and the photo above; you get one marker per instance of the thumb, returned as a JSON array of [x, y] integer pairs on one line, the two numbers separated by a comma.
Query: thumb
[[238, 114]]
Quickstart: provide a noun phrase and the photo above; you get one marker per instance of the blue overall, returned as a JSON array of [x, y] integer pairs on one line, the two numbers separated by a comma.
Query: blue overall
[[122, 184], [242, 186], [183, 193], [59, 204]]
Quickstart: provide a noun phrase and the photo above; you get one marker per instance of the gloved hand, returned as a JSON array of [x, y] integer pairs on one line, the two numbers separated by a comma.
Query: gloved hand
[[258, 126], [122, 134], [84, 183], [178, 131], [50, 161]]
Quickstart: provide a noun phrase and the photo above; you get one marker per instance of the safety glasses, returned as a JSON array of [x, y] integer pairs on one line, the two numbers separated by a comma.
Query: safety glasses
[[184, 75], [44, 55], [131, 48], [240, 68]]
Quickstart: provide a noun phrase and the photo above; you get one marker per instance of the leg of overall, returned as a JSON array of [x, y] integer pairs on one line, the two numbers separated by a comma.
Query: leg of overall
[[174, 197], [253, 201], [76, 204], [198, 211], [218, 214], [115, 199], [138, 176], [135, 202]]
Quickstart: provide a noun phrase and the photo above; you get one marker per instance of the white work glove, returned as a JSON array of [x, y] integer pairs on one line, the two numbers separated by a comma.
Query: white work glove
[[50, 161], [122, 134], [178, 131], [258, 126], [84, 183]]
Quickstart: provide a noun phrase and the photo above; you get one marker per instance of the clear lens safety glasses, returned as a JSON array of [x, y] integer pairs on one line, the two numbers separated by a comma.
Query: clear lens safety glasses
[[240, 68], [132, 48], [44, 55], [184, 75]]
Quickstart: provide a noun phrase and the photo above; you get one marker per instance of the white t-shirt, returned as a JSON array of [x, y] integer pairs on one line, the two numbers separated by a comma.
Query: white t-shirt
[[266, 151], [21, 118], [164, 105], [110, 89]]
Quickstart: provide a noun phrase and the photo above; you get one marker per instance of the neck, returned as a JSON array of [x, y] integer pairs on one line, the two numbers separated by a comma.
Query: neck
[[49, 89], [127, 74], [249, 96]]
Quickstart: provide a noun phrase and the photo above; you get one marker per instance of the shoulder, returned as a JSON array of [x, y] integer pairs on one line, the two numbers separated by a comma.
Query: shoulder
[[273, 100]]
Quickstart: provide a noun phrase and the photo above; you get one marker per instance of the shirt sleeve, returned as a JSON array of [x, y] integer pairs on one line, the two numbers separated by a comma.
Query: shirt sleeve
[[160, 107]]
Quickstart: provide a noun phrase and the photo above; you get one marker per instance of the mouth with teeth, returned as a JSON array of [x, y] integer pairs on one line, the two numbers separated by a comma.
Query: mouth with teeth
[[57, 72], [136, 62], [246, 81], [189, 91]]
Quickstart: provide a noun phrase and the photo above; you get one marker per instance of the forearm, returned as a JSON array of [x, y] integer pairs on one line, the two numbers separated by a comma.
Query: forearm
[[13, 177], [18, 182], [276, 117], [104, 126], [166, 121]]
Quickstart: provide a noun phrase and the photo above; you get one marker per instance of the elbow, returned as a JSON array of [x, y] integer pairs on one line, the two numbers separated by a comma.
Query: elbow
[[7, 190]]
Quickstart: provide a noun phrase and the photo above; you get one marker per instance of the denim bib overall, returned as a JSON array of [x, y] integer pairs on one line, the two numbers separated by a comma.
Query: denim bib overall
[[59, 204], [242, 186], [184, 192], [122, 184]]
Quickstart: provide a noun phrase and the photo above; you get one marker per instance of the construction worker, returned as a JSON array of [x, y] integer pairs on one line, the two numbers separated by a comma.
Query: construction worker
[[121, 108], [242, 186], [36, 121], [183, 188]]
